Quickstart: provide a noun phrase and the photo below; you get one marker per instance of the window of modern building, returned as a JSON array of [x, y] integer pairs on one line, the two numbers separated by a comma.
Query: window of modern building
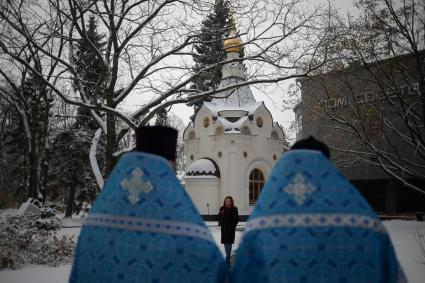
[[256, 182]]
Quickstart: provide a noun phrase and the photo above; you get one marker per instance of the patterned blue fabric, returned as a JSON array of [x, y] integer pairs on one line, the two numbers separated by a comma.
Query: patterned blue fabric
[[311, 225], [143, 227]]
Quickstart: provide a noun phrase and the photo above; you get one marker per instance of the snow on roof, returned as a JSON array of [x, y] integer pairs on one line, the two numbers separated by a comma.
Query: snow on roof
[[232, 126], [202, 167], [215, 108], [201, 177], [234, 97], [233, 132]]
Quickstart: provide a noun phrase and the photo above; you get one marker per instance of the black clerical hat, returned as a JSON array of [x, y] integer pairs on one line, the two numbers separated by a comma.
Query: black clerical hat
[[159, 140], [313, 144]]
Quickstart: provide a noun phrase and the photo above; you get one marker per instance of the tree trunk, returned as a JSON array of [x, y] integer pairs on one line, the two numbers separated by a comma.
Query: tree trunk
[[71, 195], [33, 156], [93, 160], [44, 174], [110, 143], [33, 168]]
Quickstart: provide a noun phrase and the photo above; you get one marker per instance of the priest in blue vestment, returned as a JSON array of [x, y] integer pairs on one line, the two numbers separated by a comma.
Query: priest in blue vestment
[[143, 227], [311, 225]]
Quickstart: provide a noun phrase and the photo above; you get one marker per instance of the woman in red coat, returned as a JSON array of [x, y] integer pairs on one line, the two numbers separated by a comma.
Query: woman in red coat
[[228, 218]]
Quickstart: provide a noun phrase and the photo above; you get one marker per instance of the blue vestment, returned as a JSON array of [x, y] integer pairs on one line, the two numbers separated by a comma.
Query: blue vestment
[[143, 227], [311, 225]]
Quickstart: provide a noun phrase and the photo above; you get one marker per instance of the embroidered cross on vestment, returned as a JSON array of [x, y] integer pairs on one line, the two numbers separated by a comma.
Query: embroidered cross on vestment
[[136, 185], [299, 189]]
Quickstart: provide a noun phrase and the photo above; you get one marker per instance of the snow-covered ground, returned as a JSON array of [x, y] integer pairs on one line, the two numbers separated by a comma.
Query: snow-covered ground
[[402, 233]]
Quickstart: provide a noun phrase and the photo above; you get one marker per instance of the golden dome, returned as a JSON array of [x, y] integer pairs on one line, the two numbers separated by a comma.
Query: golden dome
[[233, 43]]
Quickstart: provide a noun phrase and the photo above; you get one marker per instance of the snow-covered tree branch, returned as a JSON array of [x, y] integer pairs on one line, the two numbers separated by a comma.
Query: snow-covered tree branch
[[143, 52], [373, 89]]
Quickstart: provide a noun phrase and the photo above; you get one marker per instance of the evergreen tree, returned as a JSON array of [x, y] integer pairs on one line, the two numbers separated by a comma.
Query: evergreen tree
[[13, 156], [39, 105], [72, 179], [215, 28], [26, 135], [91, 69], [161, 118]]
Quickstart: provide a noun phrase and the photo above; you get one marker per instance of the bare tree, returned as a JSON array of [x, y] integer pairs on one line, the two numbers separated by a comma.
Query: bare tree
[[149, 48], [10, 157], [371, 98], [30, 98]]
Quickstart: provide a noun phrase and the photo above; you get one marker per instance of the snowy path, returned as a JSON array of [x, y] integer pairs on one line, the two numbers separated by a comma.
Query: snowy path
[[402, 234], [36, 274]]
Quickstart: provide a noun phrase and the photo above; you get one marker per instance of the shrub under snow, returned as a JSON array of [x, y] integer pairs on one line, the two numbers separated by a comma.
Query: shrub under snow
[[33, 239]]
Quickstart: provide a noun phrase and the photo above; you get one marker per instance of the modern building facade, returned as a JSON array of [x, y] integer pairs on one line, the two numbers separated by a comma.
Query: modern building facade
[[362, 113]]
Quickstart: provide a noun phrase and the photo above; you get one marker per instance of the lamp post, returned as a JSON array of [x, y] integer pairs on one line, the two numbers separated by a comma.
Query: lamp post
[[208, 208]]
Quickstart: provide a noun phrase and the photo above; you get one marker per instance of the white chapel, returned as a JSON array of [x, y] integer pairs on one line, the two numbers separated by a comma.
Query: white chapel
[[232, 145]]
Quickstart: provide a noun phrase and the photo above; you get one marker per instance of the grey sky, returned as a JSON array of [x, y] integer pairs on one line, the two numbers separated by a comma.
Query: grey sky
[[272, 94]]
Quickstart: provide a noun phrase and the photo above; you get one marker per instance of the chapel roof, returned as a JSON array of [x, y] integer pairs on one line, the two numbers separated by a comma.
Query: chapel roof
[[215, 108], [232, 127], [233, 73], [203, 167], [233, 43]]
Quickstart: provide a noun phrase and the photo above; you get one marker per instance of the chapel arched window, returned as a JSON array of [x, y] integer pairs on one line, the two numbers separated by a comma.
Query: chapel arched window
[[274, 135], [246, 130], [256, 183], [219, 131], [259, 122], [192, 135], [206, 122]]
